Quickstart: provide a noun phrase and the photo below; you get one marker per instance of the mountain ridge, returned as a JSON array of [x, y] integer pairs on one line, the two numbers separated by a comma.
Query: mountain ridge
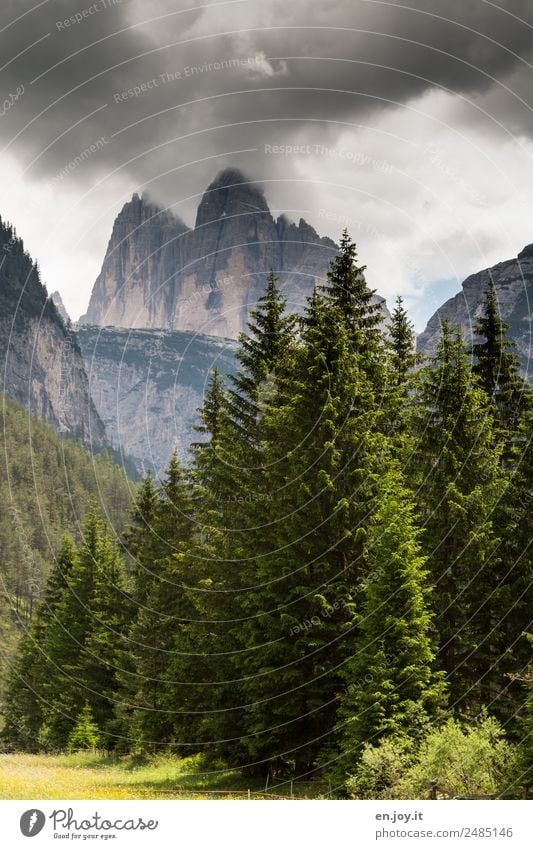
[[207, 278], [513, 280]]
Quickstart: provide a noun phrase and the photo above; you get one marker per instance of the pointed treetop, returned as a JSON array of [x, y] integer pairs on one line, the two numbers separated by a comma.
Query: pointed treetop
[[496, 363], [212, 410]]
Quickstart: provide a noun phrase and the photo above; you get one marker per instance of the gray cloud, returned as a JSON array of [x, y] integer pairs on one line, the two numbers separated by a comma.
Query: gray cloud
[[412, 106], [339, 61]]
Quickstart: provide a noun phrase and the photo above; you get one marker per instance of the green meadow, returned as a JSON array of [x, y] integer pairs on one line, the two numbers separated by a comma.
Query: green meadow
[[93, 775]]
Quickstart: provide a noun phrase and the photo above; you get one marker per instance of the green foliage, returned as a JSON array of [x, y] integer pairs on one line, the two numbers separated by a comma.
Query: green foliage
[[401, 362], [393, 688], [496, 362], [459, 760], [261, 349], [348, 527], [84, 735], [401, 344], [46, 486], [457, 473], [160, 604], [526, 763], [23, 708], [356, 305], [380, 769], [526, 729], [22, 294], [473, 760], [70, 653]]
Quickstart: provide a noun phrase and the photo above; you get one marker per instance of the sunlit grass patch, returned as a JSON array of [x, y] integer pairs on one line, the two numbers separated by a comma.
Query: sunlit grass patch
[[94, 775]]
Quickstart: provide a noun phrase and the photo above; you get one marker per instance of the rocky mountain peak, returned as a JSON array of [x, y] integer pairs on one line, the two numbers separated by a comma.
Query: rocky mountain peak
[[513, 280], [57, 300], [158, 274], [230, 194], [526, 253], [144, 210]]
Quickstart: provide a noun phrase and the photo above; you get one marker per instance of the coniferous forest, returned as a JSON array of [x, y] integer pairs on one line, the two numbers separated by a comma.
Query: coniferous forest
[[337, 585]]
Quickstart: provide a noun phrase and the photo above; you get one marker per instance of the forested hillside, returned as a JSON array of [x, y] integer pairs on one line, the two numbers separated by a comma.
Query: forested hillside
[[46, 486], [40, 361]]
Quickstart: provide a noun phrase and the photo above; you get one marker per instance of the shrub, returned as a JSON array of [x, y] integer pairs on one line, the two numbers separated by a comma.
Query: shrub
[[463, 761], [85, 734], [381, 767]]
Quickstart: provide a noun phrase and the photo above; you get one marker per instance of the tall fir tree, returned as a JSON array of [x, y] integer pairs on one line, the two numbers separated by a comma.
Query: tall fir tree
[[146, 719], [457, 476], [78, 629], [360, 311], [85, 638], [321, 463], [261, 350], [85, 734], [496, 362], [23, 707], [401, 344], [514, 518], [227, 475], [140, 539], [392, 685], [283, 583], [99, 664], [402, 361], [63, 691]]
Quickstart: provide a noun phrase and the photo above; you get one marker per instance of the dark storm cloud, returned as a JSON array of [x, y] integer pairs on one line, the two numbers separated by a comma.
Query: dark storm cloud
[[78, 64]]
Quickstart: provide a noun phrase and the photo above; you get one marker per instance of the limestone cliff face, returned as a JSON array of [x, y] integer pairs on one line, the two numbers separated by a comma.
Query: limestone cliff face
[[40, 361], [158, 274], [148, 384], [514, 285], [135, 287]]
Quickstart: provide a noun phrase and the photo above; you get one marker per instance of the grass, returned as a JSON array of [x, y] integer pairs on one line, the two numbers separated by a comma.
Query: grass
[[93, 775]]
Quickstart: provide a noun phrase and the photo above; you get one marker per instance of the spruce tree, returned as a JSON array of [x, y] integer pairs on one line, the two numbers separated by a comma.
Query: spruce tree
[[199, 665], [264, 351], [359, 310], [261, 349], [402, 360], [211, 414], [519, 496], [227, 476], [140, 539], [65, 636], [392, 686], [496, 363], [212, 468], [85, 734], [100, 661], [321, 463], [456, 473], [151, 638], [401, 344], [83, 639], [24, 707], [514, 518]]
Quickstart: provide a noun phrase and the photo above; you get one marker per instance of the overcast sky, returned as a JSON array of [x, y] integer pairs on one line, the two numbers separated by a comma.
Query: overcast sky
[[409, 122]]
